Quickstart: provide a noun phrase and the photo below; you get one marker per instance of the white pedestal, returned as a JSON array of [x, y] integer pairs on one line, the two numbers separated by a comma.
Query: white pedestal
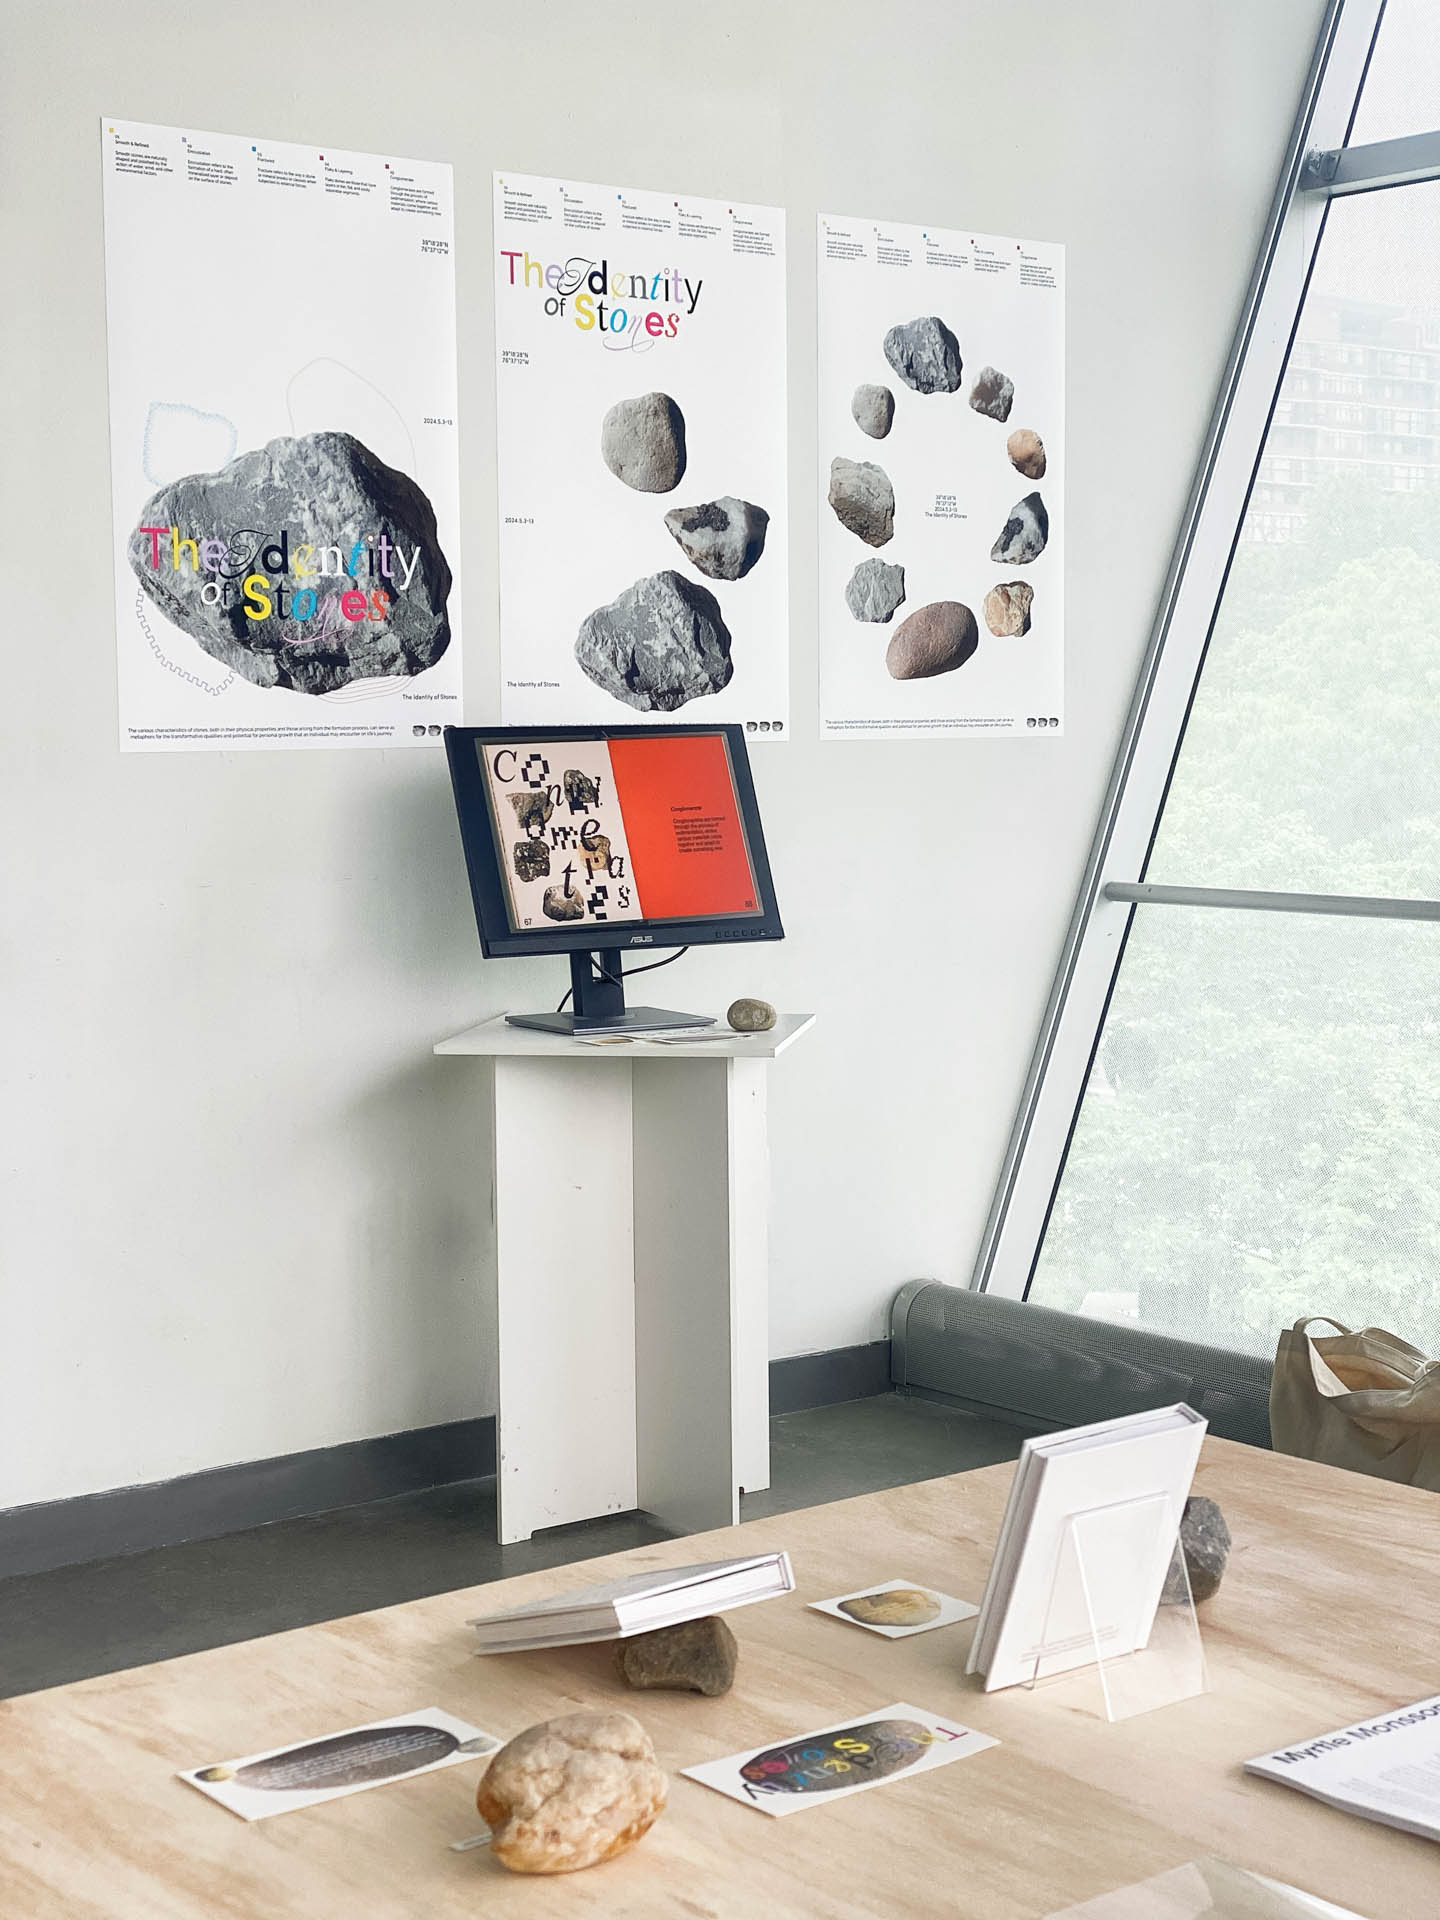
[[632, 1247]]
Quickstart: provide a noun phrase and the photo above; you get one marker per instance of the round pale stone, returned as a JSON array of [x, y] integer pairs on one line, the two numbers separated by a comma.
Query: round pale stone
[[571, 1792]]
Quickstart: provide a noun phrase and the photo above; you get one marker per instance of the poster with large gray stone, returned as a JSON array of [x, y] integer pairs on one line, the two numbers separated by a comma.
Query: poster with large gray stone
[[284, 467], [941, 481], [640, 387]]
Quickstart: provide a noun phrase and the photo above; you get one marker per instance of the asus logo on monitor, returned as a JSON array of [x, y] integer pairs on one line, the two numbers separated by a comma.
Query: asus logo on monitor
[[642, 939]]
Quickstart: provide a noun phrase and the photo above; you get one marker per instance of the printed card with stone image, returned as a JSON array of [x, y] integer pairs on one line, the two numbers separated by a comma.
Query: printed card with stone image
[[283, 1778], [897, 1608], [864, 1751]]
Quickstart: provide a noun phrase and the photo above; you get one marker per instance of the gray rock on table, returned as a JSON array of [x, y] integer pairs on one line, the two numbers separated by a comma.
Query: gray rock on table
[[1024, 534], [642, 442], [863, 500], [1205, 1542], [873, 410], [751, 1016], [723, 538], [925, 354], [1007, 607], [661, 644], [874, 590], [698, 1656], [993, 393], [320, 490], [936, 638], [1027, 453]]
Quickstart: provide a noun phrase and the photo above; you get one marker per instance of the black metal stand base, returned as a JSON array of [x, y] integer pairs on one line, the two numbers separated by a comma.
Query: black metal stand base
[[597, 987]]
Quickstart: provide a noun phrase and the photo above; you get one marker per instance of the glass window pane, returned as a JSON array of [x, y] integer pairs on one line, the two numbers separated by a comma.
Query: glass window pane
[[1260, 1135], [1402, 86], [1311, 760]]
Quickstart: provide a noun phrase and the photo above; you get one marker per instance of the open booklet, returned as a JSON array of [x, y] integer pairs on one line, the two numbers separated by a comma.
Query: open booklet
[[1043, 1612], [1385, 1769], [640, 1604]]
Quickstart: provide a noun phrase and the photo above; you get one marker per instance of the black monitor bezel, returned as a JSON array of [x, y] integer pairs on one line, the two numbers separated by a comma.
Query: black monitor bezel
[[499, 941]]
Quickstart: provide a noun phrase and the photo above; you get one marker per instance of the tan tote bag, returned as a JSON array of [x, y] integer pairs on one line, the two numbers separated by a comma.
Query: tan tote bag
[[1368, 1401]]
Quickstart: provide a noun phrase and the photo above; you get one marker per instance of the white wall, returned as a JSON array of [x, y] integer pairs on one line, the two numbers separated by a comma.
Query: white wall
[[245, 1211]]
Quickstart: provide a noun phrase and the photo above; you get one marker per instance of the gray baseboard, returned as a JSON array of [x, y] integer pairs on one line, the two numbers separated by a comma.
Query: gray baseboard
[[201, 1506]]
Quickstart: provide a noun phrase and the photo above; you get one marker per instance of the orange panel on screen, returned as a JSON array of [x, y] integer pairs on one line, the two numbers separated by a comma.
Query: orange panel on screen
[[682, 822]]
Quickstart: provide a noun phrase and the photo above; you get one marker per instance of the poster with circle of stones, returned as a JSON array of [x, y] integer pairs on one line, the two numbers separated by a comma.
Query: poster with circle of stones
[[284, 471], [942, 464], [640, 388]]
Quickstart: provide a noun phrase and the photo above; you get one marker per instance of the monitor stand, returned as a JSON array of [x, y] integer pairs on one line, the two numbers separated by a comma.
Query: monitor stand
[[599, 1002]]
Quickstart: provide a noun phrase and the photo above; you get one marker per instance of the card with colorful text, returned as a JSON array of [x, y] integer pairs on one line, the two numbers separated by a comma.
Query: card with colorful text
[[867, 1750]]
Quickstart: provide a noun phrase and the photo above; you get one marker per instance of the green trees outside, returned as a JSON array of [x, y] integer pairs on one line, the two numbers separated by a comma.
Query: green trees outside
[[1260, 1137]]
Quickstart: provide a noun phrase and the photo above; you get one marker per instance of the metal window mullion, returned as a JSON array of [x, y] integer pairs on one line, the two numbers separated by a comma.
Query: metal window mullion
[[1071, 1022], [1331, 173], [1345, 906]]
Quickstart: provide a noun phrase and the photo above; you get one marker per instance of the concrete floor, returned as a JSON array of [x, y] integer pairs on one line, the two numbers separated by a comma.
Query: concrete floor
[[111, 1614]]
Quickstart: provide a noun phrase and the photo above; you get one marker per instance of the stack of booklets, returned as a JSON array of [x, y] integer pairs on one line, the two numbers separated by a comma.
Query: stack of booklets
[[640, 1604], [1059, 1594]]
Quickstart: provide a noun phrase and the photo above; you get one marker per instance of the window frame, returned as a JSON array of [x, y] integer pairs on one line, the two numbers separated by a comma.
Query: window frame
[[1318, 168]]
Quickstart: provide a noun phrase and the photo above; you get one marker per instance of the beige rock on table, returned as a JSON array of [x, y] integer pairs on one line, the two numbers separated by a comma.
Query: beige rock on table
[[571, 1792]]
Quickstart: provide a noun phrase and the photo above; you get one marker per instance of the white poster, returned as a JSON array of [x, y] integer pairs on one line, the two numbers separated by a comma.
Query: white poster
[[285, 479], [640, 374], [942, 464]]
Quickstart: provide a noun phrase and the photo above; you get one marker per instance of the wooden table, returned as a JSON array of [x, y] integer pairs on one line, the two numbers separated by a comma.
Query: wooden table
[[1328, 1613]]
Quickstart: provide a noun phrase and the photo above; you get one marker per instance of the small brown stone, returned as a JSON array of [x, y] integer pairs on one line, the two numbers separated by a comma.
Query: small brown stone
[[935, 639], [698, 1656], [571, 1792], [1007, 607], [751, 1016], [1027, 453]]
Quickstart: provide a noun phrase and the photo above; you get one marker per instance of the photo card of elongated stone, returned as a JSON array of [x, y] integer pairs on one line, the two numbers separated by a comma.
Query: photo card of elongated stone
[[863, 500], [663, 643], [1024, 534], [925, 354], [642, 442], [305, 518], [723, 538]]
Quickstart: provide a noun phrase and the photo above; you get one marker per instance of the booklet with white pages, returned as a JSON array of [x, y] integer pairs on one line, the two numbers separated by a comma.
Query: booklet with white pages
[[640, 1604], [1385, 1769], [1057, 1594]]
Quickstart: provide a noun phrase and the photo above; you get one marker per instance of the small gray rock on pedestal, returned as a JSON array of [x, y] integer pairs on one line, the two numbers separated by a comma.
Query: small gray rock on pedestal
[[698, 1656]]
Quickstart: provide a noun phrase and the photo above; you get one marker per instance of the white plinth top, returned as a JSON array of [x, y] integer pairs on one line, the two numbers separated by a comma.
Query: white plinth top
[[495, 1037]]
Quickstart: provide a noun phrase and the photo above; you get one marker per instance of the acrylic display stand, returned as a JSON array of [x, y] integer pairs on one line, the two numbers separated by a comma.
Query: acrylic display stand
[[1098, 1603]]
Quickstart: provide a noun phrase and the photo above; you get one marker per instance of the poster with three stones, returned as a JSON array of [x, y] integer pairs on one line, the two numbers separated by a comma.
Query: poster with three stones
[[284, 466], [641, 402], [941, 475]]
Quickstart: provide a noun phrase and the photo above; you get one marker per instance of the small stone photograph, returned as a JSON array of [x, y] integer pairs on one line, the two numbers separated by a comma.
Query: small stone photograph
[[850, 1756], [897, 1608], [280, 1779]]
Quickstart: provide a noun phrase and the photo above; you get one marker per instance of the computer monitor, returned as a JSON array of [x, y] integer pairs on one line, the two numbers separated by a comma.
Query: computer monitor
[[606, 842]]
